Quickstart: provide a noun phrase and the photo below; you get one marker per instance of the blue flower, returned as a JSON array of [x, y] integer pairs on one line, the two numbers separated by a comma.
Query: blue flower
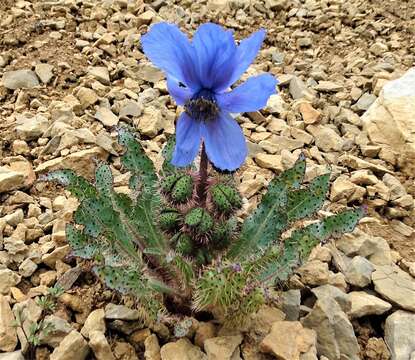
[[199, 74]]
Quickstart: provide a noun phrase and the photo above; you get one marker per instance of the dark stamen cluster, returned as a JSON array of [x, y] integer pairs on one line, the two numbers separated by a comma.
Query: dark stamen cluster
[[202, 106]]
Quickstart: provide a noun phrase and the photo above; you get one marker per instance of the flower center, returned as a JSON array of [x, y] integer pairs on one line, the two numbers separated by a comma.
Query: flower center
[[202, 106]]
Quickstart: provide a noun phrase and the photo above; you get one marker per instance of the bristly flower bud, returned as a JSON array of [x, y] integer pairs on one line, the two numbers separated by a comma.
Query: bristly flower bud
[[178, 186], [222, 233], [199, 220], [225, 198], [169, 219], [184, 244]]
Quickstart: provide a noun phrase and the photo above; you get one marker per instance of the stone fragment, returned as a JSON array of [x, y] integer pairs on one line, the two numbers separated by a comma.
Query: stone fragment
[[335, 335], [58, 254], [181, 350], [59, 328], [20, 79], [73, 346], [357, 163], [8, 279], [27, 268], [289, 340], [86, 97], [124, 351], [309, 114], [268, 161], [290, 304], [314, 273], [364, 304], [94, 322], [100, 346], [399, 334], [152, 348], [120, 312], [276, 105], [334, 293], [298, 89], [15, 355], [8, 337], [9, 179], [223, 347], [100, 73], [364, 102], [328, 86], [395, 285], [31, 128], [264, 318], [326, 139], [204, 331], [359, 272], [376, 349], [395, 186], [44, 72], [106, 116]]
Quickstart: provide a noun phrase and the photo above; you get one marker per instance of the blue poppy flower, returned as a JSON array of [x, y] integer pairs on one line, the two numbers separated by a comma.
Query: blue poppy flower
[[199, 74]]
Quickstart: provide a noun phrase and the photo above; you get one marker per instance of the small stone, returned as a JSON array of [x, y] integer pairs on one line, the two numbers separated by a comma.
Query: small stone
[[364, 304], [204, 331], [395, 285], [289, 340], [328, 86], [124, 351], [290, 304], [332, 292], [73, 346], [15, 355], [94, 322], [267, 161], [309, 114], [106, 116], [8, 337], [223, 347], [376, 349], [152, 348], [100, 346], [87, 97], [182, 349], [100, 73], [57, 254], [138, 337], [10, 180], [20, 147], [326, 138], [359, 272], [364, 102], [395, 186], [276, 105], [31, 128], [399, 334], [20, 79], [59, 328], [8, 279], [27, 268], [120, 312], [264, 318], [298, 89], [45, 72], [314, 273]]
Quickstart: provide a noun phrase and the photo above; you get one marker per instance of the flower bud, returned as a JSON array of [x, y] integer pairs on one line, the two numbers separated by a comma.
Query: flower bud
[[222, 232], [199, 220], [169, 219], [225, 198], [178, 186], [184, 244]]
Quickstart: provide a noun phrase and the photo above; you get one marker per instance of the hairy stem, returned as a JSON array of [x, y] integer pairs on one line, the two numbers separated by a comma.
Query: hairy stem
[[203, 177]]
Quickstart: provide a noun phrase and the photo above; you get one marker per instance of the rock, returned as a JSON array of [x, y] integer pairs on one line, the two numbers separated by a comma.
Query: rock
[[8, 337], [106, 116], [355, 162], [59, 329], [376, 349], [100, 346], [288, 340], [343, 188], [276, 105], [264, 318], [15, 355], [359, 272], [124, 351], [204, 331], [390, 120], [334, 293], [181, 350], [20, 79], [364, 102], [149, 73], [399, 334], [94, 322], [364, 304], [152, 348], [314, 273], [395, 186], [395, 285], [100, 73], [223, 347], [335, 335], [31, 128], [120, 312], [153, 120], [79, 161], [45, 72], [130, 108], [290, 304], [298, 89], [8, 279], [27, 268], [73, 346], [86, 97], [58, 254], [326, 139], [309, 114], [10, 180], [328, 86], [267, 161]]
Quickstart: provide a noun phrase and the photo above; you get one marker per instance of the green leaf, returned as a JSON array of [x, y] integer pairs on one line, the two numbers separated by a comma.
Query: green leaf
[[136, 160], [305, 202], [82, 245], [168, 149], [270, 218]]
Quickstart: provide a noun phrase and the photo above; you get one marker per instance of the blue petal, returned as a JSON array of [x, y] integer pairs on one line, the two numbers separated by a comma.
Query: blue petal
[[188, 140], [170, 50], [244, 56], [225, 143], [215, 48], [252, 95], [179, 93]]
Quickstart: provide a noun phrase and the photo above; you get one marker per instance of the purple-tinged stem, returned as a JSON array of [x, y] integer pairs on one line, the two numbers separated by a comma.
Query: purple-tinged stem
[[203, 177]]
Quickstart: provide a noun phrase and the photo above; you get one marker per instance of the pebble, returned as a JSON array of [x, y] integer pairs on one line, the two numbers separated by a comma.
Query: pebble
[[19, 79], [364, 304], [44, 72], [73, 346]]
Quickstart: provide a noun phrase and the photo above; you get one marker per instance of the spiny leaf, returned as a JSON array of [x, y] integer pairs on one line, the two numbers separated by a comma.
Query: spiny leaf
[[80, 243], [168, 149], [305, 202]]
